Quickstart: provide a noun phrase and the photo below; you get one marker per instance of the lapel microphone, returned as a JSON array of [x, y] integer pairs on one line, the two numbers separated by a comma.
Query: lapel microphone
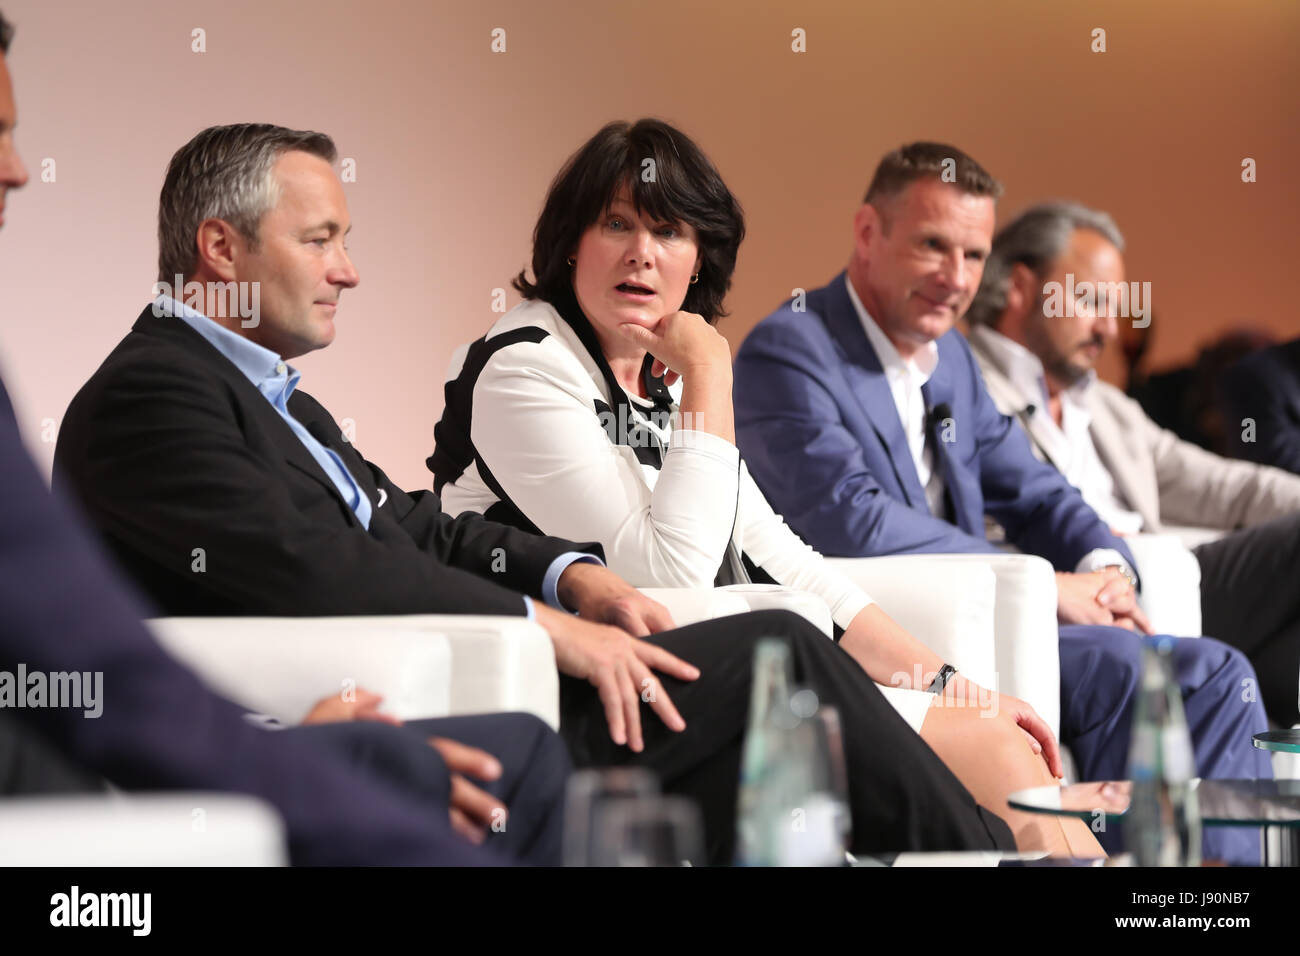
[[939, 414]]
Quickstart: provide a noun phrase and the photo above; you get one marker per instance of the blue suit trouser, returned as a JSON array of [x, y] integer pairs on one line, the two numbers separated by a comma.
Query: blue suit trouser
[[534, 770], [1100, 672]]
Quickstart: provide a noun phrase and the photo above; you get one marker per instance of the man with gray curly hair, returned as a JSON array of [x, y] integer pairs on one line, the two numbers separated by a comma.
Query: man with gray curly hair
[[1053, 294]]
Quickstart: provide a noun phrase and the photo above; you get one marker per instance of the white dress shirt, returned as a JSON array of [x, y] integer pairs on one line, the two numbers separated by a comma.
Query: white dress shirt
[[905, 378], [1069, 445]]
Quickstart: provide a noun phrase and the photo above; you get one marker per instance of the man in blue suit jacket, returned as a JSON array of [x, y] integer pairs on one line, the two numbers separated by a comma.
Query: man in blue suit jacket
[[862, 415]]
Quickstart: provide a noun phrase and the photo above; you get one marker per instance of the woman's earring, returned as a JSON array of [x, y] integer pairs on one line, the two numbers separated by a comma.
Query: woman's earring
[[571, 261], [695, 278]]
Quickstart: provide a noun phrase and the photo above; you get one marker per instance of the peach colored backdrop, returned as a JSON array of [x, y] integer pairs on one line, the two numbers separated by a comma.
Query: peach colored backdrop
[[455, 145]]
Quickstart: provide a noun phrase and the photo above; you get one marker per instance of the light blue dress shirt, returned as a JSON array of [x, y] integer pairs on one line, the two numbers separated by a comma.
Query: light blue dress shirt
[[276, 380]]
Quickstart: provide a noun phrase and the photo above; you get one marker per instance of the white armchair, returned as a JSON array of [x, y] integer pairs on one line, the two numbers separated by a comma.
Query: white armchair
[[1028, 640], [763, 597], [1171, 583], [174, 829], [692, 605], [959, 627], [947, 605], [991, 616], [424, 665], [1192, 536]]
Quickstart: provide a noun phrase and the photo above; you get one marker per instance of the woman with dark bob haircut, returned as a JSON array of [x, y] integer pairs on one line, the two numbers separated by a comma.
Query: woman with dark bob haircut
[[600, 409]]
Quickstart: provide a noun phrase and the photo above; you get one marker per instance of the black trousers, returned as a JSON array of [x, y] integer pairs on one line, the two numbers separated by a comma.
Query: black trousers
[[901, 795], [1250, 598], [534, 769]]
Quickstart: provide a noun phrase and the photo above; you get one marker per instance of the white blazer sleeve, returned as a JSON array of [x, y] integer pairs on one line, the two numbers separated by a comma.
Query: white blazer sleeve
[[535, 428], [770, 544]]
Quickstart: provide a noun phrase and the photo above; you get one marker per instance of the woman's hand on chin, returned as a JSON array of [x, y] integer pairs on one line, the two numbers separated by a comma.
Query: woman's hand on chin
[[682, 343]]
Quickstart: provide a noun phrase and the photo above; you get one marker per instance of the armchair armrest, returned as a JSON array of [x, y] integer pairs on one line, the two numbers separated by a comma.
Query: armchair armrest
[[282, 666], [911, 704], [175, 829], [947, 605], [959, 627], [692, 605], [1192, 536], [499, 664], [424, 665], [774, 597], [1171, 583], [1027, 633], [950, 602]]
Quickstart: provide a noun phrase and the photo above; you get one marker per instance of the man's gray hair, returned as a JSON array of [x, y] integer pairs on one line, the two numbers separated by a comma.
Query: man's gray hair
[[224, 173], [1035, 237]]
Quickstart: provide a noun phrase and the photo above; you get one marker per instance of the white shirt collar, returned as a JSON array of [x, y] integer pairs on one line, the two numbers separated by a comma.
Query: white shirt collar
[[1025, 369], [1070, 444], [258, 363], [920, 366]]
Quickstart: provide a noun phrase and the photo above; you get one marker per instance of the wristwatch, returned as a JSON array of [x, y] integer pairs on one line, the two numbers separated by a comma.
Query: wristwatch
[[1124, 571], [941, 679]]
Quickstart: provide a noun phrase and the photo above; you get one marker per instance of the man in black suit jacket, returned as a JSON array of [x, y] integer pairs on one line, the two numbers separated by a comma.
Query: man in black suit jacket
[[194, 478], [349, 793], [223, 489]]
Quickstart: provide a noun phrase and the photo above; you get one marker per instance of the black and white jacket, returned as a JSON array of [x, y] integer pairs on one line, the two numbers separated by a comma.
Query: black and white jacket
[[536, 432], [534, 435]]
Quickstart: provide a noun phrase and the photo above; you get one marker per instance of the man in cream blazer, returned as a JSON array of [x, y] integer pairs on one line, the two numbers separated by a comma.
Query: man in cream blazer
[[1053, 293]]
